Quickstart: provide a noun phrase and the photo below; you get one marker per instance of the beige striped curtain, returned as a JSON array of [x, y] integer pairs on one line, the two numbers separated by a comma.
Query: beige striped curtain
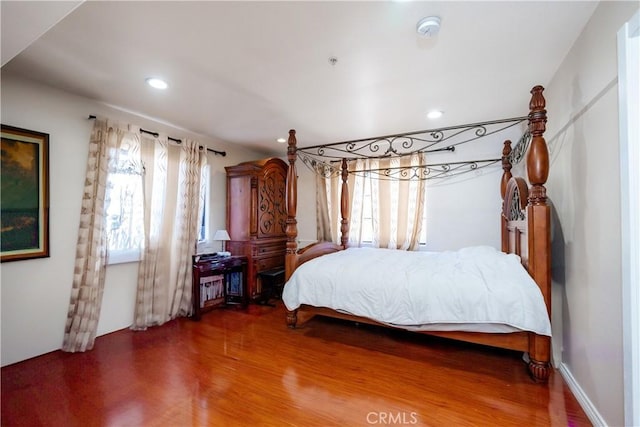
[[172, 204], [91, 248], [172, 185], [326, 230], [328, 188], [397, 206]]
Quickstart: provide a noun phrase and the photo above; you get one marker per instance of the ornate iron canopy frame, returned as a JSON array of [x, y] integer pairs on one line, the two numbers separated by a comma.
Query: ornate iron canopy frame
[[324, 159]]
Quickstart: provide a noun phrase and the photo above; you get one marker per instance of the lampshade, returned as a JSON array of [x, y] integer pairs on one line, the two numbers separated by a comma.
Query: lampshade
[[221, 235]]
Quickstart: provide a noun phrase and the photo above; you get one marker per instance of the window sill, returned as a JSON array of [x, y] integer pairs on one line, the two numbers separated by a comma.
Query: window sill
[[123, 257]]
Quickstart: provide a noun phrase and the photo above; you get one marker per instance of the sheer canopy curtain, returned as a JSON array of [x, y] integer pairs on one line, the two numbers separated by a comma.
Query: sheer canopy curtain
[[396, 210], [171, 220]]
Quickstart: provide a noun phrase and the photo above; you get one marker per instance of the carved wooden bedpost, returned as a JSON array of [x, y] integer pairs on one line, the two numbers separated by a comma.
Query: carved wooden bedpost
[[292, 223], [344, 205], [539, 226], [506, 167], [506, 176]]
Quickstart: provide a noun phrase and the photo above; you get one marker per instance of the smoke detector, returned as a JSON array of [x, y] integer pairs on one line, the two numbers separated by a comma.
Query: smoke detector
[[429, 26]]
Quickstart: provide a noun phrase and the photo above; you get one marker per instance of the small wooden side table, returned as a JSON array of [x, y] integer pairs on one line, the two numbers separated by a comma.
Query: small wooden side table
[[218, 282]]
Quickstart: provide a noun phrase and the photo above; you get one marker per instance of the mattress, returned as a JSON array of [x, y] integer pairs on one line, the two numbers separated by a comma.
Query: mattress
[[475, 289]]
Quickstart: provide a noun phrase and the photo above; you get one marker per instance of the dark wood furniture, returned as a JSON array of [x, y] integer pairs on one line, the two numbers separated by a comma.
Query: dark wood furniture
[[525, 220], [218, 282], [272, 282], [256, 217]]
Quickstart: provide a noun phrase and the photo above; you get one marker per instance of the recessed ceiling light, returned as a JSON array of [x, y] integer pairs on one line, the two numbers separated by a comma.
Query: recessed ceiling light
[[435, 114], [281, 140], [157, 83]]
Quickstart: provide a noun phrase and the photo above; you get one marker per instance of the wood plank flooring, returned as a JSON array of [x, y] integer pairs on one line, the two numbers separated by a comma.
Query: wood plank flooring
[[246, 368]]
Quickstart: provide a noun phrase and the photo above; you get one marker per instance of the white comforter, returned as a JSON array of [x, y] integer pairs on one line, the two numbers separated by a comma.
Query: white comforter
[[473, 289]]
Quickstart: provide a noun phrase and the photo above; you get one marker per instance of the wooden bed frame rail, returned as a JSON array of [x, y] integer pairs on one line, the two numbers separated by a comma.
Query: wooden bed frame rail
[[525, 220]]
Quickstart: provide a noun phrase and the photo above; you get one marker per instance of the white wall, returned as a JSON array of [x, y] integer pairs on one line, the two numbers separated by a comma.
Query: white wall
[[584, 185], [306, 213], [464, 213], [35, 293]]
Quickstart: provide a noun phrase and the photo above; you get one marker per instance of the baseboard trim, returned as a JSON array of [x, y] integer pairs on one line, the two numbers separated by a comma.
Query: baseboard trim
[[582, 398]]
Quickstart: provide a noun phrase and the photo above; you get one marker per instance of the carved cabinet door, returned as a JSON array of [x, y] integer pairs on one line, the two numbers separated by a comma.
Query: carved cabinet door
[[272, 213]]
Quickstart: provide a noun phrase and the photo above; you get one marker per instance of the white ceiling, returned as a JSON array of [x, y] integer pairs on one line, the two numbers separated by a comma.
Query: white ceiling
[[247, 72], [23, 22]]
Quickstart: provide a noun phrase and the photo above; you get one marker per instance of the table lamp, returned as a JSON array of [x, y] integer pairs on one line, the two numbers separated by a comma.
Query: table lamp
[[222, 236]]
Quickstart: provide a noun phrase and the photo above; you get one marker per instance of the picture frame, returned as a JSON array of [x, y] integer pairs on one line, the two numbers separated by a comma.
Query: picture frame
[[24, 194]]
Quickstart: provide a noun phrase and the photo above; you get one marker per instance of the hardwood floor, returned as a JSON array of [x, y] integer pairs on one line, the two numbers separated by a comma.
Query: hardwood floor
[[246, 368]]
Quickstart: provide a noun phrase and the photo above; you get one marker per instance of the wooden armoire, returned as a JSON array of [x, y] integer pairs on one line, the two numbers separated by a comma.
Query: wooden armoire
[[256, 217]]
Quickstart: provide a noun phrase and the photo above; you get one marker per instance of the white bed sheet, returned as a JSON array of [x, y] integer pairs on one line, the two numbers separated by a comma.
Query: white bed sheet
[[476, 289]]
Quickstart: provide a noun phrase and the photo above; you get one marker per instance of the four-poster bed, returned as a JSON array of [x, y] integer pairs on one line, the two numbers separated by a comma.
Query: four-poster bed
[[525, 220]]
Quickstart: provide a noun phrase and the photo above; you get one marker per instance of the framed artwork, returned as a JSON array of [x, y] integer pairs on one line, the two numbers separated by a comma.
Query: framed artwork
[[24, 194]]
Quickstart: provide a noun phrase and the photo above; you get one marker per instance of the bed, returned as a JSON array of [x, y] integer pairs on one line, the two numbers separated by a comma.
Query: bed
[[522, 321]]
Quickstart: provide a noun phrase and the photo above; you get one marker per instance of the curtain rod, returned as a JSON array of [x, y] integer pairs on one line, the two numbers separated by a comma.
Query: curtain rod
[[178, 141]]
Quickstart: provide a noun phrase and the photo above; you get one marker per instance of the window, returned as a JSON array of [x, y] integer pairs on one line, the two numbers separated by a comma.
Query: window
[[124, 208], [203, 233], [367, 218], [367, 214]]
